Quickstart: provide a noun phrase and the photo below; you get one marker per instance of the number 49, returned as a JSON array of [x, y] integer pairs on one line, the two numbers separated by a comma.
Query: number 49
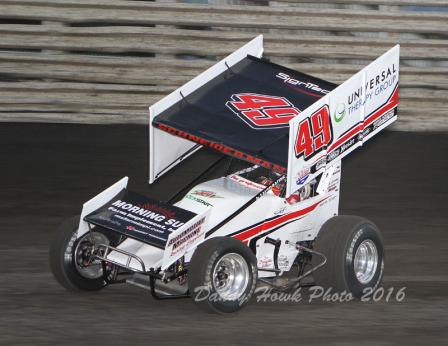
[[314, 133]]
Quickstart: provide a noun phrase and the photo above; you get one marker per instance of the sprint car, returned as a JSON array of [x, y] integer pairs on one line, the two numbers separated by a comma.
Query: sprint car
[[272, 214]]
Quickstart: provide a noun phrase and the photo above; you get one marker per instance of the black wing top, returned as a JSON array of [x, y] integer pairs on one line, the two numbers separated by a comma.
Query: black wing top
[[244, 111]]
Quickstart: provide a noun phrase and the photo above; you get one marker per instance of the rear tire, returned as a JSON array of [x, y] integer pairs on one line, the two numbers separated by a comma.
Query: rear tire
[[222, 275], [65, 264], [355, 255]]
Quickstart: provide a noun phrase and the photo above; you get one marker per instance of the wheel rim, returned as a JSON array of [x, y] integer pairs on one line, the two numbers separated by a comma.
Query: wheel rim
[[366, 261], [86, 265], [231, 276]]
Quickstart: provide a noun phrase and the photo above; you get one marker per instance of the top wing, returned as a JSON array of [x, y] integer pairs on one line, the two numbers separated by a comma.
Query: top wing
[[245, 111]]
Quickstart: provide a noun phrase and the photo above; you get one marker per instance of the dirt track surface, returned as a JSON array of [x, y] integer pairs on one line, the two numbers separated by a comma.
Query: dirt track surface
[[398, 180]]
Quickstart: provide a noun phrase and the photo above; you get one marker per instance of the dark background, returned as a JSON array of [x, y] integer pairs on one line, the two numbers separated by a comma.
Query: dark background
[[398, 180]]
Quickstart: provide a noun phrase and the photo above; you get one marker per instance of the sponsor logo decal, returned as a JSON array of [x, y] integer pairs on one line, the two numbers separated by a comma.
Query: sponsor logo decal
[[178, 243], [383, 119], [146, 218], [199, 200], [189, 235], [283, 262], [154, 207], [246, 182], [302, 180], [140, 217], [302, 176], [265, 262], [373, 87], [339, 112], [280, 211], [303, 85], [262, 111], [221, 147], [206, 193], [383, 80], [358, 131]]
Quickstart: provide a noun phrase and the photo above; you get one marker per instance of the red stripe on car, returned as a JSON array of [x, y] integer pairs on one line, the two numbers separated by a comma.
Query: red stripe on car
[[244, 236]]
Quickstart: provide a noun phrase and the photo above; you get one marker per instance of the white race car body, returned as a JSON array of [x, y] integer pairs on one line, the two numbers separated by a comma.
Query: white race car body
[[305, 151], [270, 215], [284, 219]]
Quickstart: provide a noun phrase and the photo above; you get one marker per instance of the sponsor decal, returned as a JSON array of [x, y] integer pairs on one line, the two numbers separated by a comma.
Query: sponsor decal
[[246, 182], [262, 111], [206, 193], [339, 112], [199, 200], [302, 181], [142, 214], [265, 262], [283, 262], [302, 176], [320, 164], [383, 81], [383, 119], [154, 207], [180, 241], [139, 217], [374, 86], [374, 120], [303, 85], [280, 211], [334, 154], [221, 147]]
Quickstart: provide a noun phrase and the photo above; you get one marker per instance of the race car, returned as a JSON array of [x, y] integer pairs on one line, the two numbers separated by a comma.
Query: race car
[[272, 215]]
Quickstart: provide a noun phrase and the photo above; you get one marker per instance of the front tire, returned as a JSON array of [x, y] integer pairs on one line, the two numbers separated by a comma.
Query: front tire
[[69, 257], [222, 275], [355, 255]]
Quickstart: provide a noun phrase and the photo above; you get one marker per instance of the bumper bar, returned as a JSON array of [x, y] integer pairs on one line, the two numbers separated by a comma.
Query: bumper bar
[[106, 250]]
